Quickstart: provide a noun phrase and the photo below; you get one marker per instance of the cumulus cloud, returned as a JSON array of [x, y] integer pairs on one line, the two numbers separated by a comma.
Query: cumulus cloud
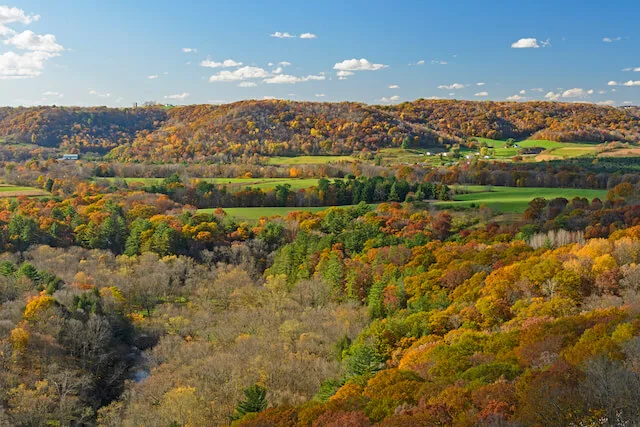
[[28, 40], [27, 65], [394, 98], [481, 94], [609, 102], [244, 73], [189, 50], [480, 84], [308, 36], [452, 86], [576, 92], [421, 62], [523, 91], [529, 43], [516, 97], [9, 15], [227, 63], [289, 79], [247, 84], [394, 87], [178, 96], [99, 94], [342, 75], [611, 39], [627, 83], [39, 48], [280, 35], [358, 65], [284, 64]]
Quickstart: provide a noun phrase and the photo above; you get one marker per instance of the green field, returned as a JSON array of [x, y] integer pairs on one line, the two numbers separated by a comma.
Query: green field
[[308, 160], [8, 190], [254, 214], [512, 199], [234, 183]]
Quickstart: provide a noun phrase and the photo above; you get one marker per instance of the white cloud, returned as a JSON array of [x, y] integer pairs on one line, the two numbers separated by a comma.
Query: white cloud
[[284, 64], [552, 96], [289, 79], [269, 98], [452, 86], [481, 94], [529, 43], [522, 92], [227, 63], [99, 94], [178, 96], [28, 40], [576, 92], [280, 35], [607, 102], [516, 98], [342, 75], [394, 87], [602, 92], [439, 62], [27, 65], [277, 70], [394, 98], [244, 73], [636, 69], [53, 93], [247, 84], [308, 36], [155, 76], [421, 62], [319, 95], [358, 65], [9, 15], [433, 98], [631, 83], [611, 39], [612, 83], [480, 84], [537, 89], [189, 50]]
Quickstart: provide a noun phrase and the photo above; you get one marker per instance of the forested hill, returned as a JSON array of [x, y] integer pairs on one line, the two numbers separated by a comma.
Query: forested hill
[[199, 132]]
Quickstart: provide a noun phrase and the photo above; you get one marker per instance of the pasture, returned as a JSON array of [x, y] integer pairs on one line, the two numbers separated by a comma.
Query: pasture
[[511, 199]]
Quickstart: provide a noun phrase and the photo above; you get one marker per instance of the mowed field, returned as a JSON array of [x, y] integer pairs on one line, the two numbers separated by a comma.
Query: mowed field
[[512, 199], [308, 160], [254, 214], [233, 183], [7, 190]]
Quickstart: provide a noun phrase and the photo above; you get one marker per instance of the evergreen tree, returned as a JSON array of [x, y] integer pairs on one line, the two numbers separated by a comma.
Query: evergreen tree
[[255, 400]]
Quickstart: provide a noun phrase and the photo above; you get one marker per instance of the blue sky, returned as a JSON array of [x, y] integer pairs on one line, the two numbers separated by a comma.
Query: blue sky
[[118, 52]]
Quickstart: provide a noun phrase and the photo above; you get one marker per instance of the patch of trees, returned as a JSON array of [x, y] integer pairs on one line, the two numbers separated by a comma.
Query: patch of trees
[[337, 192]]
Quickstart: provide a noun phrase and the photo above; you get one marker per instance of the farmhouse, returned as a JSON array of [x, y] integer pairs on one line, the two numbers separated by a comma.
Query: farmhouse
[[69, 157]]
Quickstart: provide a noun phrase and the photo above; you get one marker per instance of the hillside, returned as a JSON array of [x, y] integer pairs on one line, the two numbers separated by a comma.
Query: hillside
[[249, 128]]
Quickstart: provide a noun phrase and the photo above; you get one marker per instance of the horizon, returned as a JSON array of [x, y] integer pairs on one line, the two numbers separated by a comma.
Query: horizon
[[118, 53]]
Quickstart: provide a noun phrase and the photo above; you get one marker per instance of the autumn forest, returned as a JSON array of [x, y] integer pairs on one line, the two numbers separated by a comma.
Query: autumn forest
[[278, 263]]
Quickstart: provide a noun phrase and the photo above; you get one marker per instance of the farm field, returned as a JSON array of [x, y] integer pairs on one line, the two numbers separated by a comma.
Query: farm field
[[512, 199], [308, 160], [254, 214], [235, 183], [7, 190]]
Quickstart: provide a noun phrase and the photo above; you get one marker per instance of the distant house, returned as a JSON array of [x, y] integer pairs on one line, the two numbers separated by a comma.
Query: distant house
[[69, 157]]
